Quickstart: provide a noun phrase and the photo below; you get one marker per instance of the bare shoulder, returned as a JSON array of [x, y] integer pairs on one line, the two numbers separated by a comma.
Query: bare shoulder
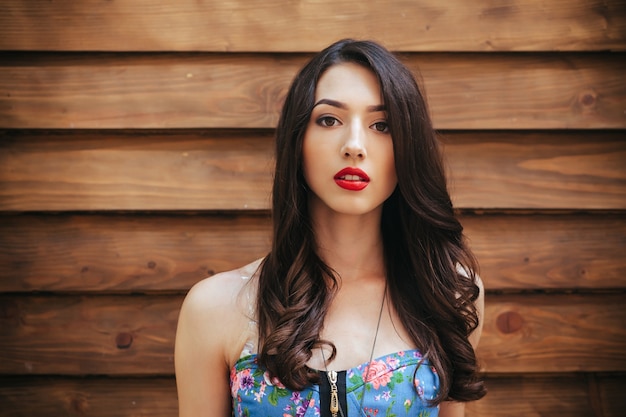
[[220, 291], [219, 305], [211, 332], [452, 409]]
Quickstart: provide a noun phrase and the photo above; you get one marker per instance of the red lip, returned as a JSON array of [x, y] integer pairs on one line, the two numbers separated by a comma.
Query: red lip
[[352, 184]]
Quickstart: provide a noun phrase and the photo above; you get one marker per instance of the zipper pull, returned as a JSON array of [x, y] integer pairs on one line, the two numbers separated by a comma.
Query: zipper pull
[[334, 398]]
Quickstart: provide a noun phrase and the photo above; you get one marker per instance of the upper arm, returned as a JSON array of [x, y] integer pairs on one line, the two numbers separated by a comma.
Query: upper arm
[[452, 409], [202, 370]]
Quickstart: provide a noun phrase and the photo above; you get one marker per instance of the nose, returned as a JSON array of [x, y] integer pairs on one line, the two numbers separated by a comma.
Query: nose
[[354, 144]]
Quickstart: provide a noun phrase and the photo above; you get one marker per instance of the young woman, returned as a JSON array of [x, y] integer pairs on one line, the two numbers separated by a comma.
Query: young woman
[[368, 303]]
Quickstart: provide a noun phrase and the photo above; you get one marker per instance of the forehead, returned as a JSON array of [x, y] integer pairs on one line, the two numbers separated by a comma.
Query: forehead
[[348, 81]]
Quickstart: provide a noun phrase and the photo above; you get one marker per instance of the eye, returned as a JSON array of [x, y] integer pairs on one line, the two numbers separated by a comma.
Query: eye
[[382, 127], [327, 121]]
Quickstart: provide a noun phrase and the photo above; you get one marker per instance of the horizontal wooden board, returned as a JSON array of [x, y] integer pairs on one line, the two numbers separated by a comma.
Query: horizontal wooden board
[[89, 397], [82, 335], [237, 25], [555, 251], [585, 170], [231, 170], [133, 172], [124, 253], [536, 396], [466, 91], [134, 335], [139, 253], [550, 333], [513, 396]]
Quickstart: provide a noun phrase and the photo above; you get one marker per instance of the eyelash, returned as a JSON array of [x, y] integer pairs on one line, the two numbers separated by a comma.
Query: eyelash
[[322, 121], [385, 129]]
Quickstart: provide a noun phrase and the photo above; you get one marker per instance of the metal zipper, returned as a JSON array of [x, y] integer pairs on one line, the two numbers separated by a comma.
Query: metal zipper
[[334, 398]]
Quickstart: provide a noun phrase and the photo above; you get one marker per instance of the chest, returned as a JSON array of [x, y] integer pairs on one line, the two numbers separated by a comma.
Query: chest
[[360, 333], [395, 384]]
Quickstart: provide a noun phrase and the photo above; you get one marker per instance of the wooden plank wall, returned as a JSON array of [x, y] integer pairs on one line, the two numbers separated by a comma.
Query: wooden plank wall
[[135, 160]]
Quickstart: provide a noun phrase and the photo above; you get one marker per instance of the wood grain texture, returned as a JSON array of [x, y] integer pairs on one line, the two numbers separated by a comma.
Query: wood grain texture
[[133, 172], [466, 91], [89, 397], [584, 170], [125, 253], [134, 335], [83, 335], [511, 396], [237, 25], [553, 333], [544, 252], [231, 170], [537, 396], [610, 390]]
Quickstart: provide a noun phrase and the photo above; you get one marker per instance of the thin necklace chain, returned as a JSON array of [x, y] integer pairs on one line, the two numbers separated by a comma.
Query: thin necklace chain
[[367, 369]]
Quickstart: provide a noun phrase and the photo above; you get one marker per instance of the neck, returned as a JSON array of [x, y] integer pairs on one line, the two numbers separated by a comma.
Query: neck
[[350, 244]]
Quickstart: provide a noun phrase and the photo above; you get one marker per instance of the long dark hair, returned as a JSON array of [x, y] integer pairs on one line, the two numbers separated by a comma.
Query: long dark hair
[[423, 240]]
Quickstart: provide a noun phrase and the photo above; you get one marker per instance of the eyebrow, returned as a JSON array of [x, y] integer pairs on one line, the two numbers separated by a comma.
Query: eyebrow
[[343, 106]]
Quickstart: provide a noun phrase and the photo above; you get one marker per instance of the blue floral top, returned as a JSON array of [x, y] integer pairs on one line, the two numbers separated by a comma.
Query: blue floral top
[[394, 385]]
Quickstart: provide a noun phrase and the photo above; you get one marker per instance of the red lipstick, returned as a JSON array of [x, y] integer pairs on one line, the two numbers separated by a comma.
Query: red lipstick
[[352, 179]]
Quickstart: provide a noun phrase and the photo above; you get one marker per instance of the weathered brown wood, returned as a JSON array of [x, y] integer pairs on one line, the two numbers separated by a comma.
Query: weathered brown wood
[[467, 91], [512, 396], [124, 253], [89, 397], [553, 333], [537, 396], [611, 390], [537, 170], [129, 172], [237, 25], [536, 251], [124, 335], [232, 170], [80, 335], [138, 253]]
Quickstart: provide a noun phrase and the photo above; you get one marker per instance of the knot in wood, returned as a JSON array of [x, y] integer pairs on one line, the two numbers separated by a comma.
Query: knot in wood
[[509, 322], [588, 98], [124, 340]]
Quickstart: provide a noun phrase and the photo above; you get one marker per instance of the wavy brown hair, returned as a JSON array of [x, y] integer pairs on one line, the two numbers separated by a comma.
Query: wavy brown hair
[[422, 238]]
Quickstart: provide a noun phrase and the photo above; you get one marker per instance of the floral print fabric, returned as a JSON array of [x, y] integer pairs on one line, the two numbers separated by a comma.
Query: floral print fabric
[[398, 384]]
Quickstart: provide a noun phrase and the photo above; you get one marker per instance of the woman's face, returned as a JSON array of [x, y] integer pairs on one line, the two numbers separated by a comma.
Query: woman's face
[[348, 155]]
